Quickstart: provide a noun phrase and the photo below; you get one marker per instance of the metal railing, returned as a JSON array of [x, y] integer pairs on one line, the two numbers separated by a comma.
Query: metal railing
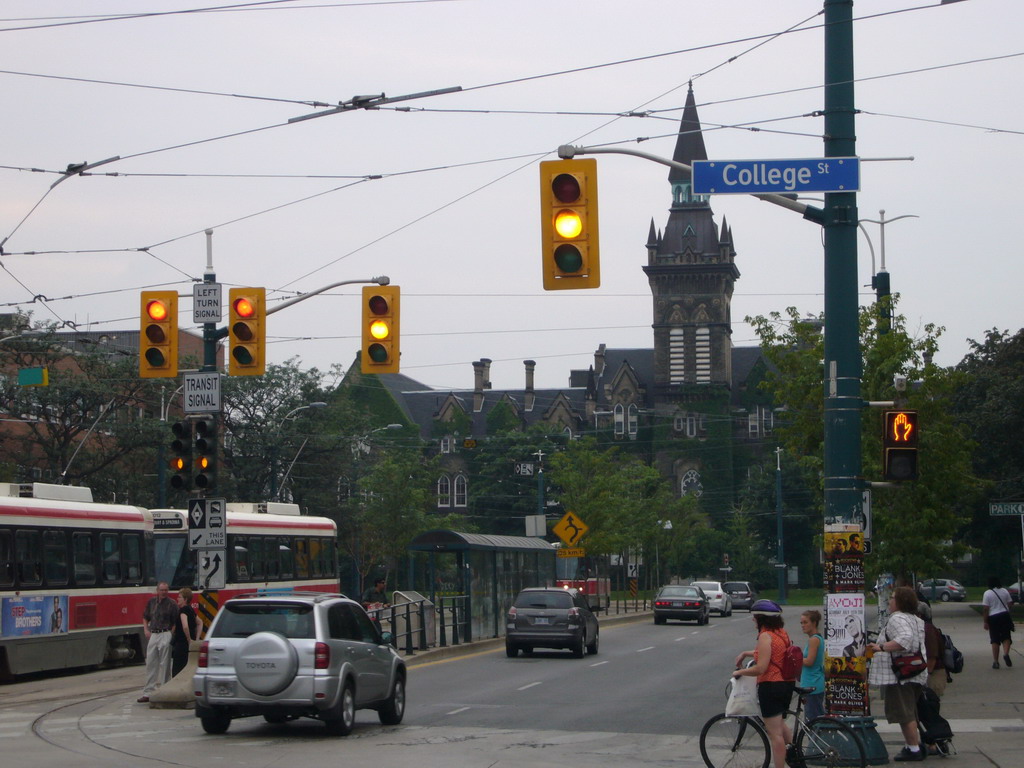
[[452, 614], [413, 617]]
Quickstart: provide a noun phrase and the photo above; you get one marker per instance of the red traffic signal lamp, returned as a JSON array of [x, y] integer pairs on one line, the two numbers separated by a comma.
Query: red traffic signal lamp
[[380, 352], [158, 335], [899, 444], [569, 226], [247, 331]]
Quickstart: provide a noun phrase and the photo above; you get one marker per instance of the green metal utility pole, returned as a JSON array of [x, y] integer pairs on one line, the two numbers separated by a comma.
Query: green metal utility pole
[[843, 404]]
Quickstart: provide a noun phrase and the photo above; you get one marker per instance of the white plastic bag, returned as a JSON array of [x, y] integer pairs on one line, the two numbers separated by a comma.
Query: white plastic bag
[[743, 697]]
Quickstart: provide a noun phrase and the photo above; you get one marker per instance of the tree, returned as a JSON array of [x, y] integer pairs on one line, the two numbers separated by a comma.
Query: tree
[[989, 403], [915, 526], [87, 426]]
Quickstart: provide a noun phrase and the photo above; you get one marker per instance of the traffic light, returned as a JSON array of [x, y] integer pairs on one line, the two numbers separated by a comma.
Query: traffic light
[[247, 332], [181, 459], [900, 445], [569, 231], [158, 335], [380, 329], [204, 445]]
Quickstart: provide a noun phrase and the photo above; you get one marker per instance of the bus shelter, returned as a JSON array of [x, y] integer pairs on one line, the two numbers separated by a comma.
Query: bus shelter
[[488, 570]]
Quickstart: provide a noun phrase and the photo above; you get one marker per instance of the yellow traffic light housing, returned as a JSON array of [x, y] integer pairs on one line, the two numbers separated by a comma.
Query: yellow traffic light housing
[[899, 446], [158, 335], [247, 331], [380, 316], [569, 225]]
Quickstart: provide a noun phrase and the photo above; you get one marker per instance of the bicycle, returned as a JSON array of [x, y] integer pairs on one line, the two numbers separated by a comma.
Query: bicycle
[[742, 742]]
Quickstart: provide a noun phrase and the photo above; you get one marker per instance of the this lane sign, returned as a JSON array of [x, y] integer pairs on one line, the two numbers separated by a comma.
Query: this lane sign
[[207, 524], [747, 177]]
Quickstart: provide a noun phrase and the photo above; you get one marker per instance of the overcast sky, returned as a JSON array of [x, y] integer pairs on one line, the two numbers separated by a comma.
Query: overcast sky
[[197, 106]]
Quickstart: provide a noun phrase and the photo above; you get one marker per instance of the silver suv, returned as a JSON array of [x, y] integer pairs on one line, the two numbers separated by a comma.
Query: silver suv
[[297, 655]]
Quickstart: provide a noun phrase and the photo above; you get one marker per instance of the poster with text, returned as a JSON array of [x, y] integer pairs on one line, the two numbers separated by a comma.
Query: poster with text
[[845, 634], [844, 561], [846, 687], [35, 615]]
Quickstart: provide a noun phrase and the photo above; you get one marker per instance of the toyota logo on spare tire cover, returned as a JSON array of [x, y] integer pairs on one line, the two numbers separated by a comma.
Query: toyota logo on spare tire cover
[[266, 663]]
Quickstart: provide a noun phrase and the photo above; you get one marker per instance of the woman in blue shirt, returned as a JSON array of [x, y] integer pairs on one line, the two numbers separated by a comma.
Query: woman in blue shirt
[[813, 674]]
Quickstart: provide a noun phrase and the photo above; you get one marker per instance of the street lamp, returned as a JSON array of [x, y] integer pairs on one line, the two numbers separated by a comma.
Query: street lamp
[[275, 492], [360, 444], [880, 279]]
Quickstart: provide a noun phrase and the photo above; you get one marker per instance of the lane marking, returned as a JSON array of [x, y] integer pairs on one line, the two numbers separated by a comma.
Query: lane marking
[[456, 711], [648, 648], [679, 638], [530, 685], [598, 663]]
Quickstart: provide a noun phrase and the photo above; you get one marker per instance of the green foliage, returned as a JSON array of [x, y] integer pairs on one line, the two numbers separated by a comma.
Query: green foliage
[[915, 526], [502, 418]]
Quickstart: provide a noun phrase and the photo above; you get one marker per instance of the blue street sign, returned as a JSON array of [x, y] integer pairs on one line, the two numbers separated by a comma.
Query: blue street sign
[[749, 177]]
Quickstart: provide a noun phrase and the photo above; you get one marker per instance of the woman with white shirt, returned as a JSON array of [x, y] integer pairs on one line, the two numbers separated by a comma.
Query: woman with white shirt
[[996, 612]]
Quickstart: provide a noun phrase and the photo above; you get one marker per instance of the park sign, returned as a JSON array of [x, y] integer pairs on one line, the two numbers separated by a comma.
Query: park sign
[[1006, 508], [779, 177]]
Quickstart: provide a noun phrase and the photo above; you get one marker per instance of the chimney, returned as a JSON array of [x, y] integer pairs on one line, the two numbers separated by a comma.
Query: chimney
[[599, 360], [478, 386], [529, 397], [487, 372]]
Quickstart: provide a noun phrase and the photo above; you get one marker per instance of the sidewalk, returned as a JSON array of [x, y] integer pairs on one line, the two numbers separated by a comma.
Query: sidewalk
[[984, 706]]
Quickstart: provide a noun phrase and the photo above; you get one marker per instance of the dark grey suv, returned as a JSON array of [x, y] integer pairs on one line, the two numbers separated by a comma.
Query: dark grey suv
[[551, 617], [297, 655]]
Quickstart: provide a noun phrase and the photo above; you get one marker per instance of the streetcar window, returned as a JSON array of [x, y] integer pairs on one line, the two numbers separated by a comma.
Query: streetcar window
[[6, 559], [29, 556], [85, 559], [110, 551], [173, 563], [287, 558], [241, 558], [301, 559], [256, 561], [55, 557], [273, 558], [315, 563], [132, 557]]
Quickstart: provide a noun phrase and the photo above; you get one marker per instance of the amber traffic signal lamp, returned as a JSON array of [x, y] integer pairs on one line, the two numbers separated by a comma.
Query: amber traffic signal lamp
[[569, 225], [158, 335], [181, 460], [899, 446], [380, 316], [247, 332]]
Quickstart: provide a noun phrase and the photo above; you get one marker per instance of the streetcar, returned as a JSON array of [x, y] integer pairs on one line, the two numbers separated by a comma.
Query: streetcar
[[270, 547], [588, 574], [75, 577]]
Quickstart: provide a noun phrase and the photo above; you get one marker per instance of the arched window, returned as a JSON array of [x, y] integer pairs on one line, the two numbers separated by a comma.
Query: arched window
[[460, 490], [444, 491], [620, 422], [633, 420]]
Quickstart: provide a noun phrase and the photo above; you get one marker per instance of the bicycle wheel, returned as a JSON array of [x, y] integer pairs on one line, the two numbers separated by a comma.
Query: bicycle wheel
[[734, 742], [830, 742]]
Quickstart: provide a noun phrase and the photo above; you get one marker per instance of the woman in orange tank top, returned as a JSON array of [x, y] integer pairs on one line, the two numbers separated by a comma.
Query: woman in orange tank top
[[773, 693]]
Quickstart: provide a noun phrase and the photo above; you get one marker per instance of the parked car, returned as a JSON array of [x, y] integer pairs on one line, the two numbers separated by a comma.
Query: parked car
[[1014, 590], [297, 655], [718, 598], [551, 617], [685, 603], [742, 593], [942, 589]]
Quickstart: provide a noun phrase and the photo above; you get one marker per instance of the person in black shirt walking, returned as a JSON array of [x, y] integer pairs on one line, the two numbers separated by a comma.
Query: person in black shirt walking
[[158, 620]]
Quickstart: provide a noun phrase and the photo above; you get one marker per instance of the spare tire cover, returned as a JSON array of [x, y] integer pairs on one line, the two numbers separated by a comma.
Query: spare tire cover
[[266, 663]]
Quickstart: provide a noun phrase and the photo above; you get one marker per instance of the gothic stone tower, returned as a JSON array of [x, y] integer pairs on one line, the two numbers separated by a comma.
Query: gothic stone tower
[[691, 270]]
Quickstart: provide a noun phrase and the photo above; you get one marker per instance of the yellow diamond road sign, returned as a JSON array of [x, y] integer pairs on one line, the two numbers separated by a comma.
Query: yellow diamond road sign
[[570, 529]]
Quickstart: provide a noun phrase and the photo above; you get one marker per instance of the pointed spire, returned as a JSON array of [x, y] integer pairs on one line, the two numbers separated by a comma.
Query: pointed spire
[[725, 231], [690, 142], [652, 236]]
